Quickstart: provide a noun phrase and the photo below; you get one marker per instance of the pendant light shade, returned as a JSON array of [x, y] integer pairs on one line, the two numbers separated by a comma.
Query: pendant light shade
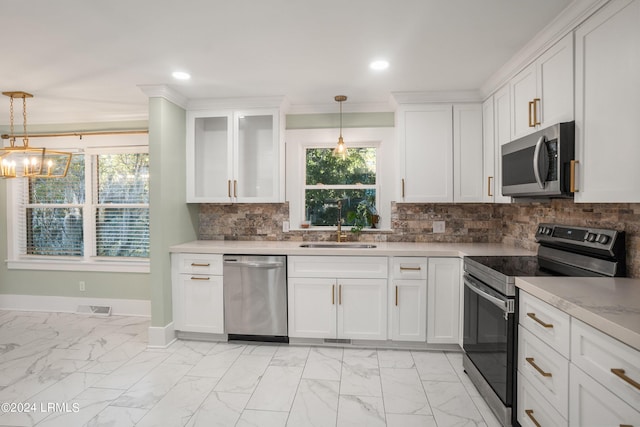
[[341, 148]]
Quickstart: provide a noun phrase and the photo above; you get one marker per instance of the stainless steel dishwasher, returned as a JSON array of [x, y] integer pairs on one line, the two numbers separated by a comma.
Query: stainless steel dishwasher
[[255, 297]]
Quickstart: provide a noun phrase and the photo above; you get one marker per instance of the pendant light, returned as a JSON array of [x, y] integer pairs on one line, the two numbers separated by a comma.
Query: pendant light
[[24, 161], [341, 149]]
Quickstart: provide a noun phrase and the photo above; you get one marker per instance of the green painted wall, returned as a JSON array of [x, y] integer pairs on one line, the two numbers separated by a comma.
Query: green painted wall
[[172, 221], [331, 120]]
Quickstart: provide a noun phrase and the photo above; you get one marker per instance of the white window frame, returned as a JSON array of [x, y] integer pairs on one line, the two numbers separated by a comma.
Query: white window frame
[[89, 261], [298, 140]]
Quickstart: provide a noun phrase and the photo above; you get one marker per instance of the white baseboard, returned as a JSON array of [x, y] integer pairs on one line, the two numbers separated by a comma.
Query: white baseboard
[[119, 307], [161, 336]]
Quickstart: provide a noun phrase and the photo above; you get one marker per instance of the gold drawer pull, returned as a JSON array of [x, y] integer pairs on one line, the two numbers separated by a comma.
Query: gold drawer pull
[[620, 374], [194, 264], [529, 413], [396, 296], [626, 425], [572, 176], [410, 268], [489, 193], [537, 368], [339, 294], [333, 294], [200, 278], [533, 316]]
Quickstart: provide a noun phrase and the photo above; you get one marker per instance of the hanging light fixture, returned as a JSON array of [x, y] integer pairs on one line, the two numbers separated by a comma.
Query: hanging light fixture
[[23, 161], [341, 149]]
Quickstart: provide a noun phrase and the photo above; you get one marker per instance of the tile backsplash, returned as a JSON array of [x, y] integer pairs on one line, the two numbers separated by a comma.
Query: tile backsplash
[[513, 224]]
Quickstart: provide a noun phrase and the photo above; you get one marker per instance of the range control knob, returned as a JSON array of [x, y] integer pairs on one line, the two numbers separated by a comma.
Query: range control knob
[[591, 237], [547, 231], [603, 239]]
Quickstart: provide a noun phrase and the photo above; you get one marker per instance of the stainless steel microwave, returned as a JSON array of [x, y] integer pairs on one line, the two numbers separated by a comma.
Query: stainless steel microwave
[[540, 165]]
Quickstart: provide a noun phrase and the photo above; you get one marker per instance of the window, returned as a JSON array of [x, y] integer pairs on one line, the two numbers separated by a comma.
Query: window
[[98, 213], [329, 179]]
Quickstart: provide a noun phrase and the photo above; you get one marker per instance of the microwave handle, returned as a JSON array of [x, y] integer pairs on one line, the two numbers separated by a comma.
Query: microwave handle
[[536, 163]]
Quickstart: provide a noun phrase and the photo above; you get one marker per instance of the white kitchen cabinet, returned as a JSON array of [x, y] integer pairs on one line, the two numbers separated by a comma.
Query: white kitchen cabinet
[[502, 135], [337, 297], [234, 156], [607, 108], [542, 93], [534, 410], [425, 137], [467, 153], [443, 301], [488, 152], [198, 303], [408, 299]]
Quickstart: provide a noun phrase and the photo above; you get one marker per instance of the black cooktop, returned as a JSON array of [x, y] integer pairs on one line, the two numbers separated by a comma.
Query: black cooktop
[[512, 265]]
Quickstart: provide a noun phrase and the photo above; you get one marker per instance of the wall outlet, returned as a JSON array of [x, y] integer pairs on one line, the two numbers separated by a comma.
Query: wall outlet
[[285, 226], [81, 285], [438, 226]]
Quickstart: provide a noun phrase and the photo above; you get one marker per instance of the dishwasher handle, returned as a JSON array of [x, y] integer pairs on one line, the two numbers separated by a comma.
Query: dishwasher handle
[[253, 264]]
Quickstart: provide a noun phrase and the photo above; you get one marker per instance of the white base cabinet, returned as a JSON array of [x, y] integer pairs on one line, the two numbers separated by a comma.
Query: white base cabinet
[[443, 301], [198, 303], [408, 299]]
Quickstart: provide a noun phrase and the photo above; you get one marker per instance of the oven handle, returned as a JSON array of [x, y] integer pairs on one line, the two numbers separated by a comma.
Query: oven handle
[[505, 304]]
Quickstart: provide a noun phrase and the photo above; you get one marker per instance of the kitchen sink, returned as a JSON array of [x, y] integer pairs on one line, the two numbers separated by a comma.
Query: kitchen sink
[[337, 245]]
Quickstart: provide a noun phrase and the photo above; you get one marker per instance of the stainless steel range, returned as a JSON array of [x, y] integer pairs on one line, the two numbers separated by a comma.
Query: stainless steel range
[[490, 301]]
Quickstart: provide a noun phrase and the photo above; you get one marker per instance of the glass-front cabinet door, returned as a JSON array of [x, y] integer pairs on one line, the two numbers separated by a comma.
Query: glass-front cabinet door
[[233, 156]]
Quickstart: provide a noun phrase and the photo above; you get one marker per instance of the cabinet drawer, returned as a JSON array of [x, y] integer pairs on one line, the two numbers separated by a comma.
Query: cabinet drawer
[[546, 322], [612, 363], [198, 263], [338, 266], [592, 405], [407, 268], [545, 369], [533, 408]]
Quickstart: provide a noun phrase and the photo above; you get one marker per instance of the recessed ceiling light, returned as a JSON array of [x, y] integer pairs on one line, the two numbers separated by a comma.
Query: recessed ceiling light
[[379, 64], [181, 75]]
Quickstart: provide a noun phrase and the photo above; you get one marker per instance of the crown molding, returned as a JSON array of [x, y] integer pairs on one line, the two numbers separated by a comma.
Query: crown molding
[[567, 21], [237, 103], [164, 91], [398, 98], [347, 107]]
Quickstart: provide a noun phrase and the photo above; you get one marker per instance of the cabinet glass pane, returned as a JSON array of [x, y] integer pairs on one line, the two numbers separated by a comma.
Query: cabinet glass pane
[[211, 157], [256, 156]]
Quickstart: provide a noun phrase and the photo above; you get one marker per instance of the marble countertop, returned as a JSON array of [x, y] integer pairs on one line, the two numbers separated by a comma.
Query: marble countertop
[[381, 249], [611, 305]]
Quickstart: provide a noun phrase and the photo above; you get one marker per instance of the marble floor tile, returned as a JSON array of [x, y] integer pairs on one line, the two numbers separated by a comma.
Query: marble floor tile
[[290, 356], [315, 404], [365, 411], [89, 403], [132, 371], [220, 409], [451, 405], [403, 392], [253, 418], [245, 373], [217, 361], [116, 416], [395, 359], [114, 359], [324, 363], [404, 420], [190, 352], [434, 366], [360, 373], [276, 389]]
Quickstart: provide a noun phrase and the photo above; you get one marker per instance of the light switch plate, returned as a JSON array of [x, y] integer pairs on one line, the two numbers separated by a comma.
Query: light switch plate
[[438, 226]]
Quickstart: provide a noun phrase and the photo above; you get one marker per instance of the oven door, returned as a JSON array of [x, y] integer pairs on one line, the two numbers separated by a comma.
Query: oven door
[[489, 336]]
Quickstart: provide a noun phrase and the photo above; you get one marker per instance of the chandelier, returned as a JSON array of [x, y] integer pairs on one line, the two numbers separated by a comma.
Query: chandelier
[[341, 149], [20, 160]]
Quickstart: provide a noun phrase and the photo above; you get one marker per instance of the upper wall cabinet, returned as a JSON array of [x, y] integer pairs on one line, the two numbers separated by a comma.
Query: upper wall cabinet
[[440, 145], [234, 156], [607, 108], [542, 93]]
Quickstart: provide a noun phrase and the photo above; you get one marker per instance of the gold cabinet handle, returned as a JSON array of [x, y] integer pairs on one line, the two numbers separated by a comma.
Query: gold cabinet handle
[[537, 368], [572, 176], [410, 268], [339, 294], [333, 294], [195, 264], [536, 121], [489, 193], [529, 413], [235, 188], [626, 425], [620, 374], [403, 188], [531, 122], [200, 278], [533, 316], [396, 296]]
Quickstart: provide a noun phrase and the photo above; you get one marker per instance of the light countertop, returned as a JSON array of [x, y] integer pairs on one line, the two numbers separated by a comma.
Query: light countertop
[[381, 249], [611, 305]]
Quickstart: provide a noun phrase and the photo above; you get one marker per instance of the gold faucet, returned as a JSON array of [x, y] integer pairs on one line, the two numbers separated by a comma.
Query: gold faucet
[[341, 236]]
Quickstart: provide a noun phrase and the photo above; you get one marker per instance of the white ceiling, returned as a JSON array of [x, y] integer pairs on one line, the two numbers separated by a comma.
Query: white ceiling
[[83, 60]]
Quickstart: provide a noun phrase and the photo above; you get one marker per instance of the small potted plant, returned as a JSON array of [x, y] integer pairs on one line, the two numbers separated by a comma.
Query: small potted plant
[[364, 215]]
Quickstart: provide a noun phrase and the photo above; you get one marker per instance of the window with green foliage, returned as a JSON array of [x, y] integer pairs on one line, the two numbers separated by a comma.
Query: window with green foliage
[[329, 178], [100, 209]]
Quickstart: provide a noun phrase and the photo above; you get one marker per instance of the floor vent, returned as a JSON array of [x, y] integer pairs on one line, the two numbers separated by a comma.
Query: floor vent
[[337, 341], [102, 310]]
